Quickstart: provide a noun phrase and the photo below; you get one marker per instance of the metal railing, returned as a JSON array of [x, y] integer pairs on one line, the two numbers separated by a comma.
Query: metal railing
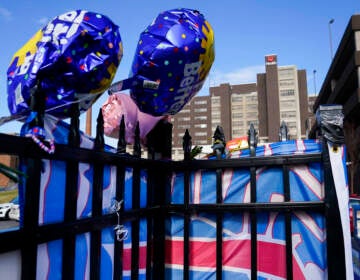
[[158, 169]]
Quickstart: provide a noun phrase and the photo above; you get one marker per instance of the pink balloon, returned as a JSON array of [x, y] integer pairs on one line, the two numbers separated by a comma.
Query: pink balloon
[[120, 104]]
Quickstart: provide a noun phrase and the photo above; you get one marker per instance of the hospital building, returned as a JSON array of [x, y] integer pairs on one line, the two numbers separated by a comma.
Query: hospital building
[[280, 94]]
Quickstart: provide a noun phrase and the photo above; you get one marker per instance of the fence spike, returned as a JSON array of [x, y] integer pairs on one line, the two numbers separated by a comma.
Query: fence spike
[[219, 142], [121, 145], [74, 133], [283, 133], [187, 145], [252, 139], [99, 139], [137, 146]]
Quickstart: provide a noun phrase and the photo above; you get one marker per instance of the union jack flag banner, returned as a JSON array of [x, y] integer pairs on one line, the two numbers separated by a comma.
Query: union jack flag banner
[[51, 210], [309, 251], [309, 254]]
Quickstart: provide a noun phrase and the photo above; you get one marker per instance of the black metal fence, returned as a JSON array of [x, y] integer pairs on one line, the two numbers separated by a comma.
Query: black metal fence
[[158, 168]]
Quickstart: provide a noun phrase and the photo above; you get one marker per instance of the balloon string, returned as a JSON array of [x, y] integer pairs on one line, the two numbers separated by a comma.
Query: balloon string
[[4, 120], [72, 102], [131, 82], [40, 143], [118, 86], [37, 133]]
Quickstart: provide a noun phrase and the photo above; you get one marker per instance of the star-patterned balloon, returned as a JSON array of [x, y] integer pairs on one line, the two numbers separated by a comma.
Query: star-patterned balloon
[[177, 51], [73, 59]]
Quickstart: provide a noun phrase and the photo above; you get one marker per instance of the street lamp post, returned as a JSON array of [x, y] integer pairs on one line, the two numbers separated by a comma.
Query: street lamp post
[[314, 72], [331, 21]]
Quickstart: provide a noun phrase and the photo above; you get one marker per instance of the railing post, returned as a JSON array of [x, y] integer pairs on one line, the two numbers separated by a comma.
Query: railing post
[[135, 224], [284, 136], [219, 148], [330, 121], [187, 143], [252, 141], [120, 189], [30, 193], [159, 147], [97, 199], [72, 173]]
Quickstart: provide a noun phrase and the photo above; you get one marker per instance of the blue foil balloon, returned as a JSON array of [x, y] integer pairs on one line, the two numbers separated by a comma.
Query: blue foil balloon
[[74, 59], [177, 51]]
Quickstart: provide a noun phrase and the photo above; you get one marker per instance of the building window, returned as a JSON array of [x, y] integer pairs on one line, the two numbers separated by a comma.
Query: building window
[[215, 108], [200, 133], [288, 92], [237, 115], [200, 110], [200, 118], [183, 126], [200, 102], [287, 104], [238, 123], [201, 125], [184, 119], [215, 121], [254, 122], [288, 72], [238, 132], [286, 83], [251, 107], [236, 98], [215, 100], [251, 98], [291, 124], [288, 114], [252, 115], [237, 107]]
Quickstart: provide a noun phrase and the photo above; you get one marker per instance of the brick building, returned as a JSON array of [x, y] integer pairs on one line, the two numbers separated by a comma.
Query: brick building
[[342, 86], [280, 94]]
